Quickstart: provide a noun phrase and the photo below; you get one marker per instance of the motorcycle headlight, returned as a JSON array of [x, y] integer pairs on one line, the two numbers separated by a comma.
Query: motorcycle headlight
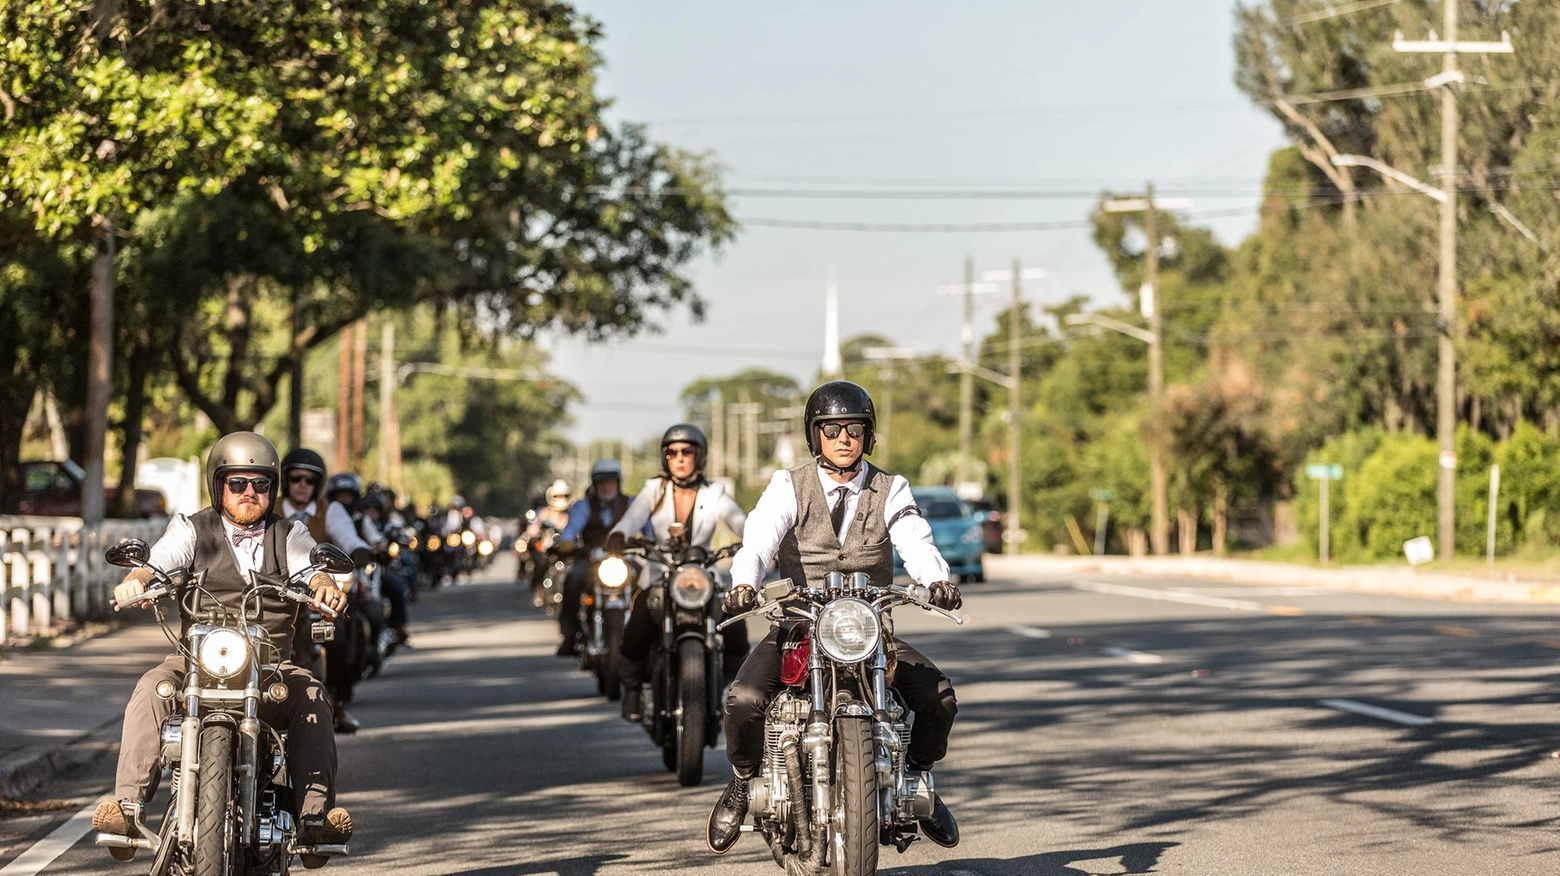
[[692, 588], [848, 630], [224, 653], [412, 543], [613, 572], [468, 538], [434, 543], [485, 548], [395, 549]]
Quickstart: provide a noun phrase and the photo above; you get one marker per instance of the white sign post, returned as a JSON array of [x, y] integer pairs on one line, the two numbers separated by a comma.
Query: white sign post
[[1324, 473], [1494, 491]]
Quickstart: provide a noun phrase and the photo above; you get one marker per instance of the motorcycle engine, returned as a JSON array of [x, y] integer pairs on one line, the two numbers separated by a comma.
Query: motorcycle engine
[[783, 728]]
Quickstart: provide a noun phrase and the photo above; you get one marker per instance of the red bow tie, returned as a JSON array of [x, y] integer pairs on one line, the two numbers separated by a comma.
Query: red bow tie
[[240, 535]]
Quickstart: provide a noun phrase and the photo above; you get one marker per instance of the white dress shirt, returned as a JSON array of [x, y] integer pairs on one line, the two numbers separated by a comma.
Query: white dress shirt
[[775, 515], [176, 549]]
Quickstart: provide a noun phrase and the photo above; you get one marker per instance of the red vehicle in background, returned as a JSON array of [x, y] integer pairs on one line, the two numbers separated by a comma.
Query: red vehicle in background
[[53, 489]]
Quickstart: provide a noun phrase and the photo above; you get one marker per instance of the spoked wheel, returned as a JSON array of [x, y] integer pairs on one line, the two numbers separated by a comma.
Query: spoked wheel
[[213, 849], [692, 717], [855, 851]]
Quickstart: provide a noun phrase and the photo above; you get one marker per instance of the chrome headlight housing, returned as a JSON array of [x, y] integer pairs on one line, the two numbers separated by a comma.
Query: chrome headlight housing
[[224, 653], [613, 572], [848, 630], [692, 588]]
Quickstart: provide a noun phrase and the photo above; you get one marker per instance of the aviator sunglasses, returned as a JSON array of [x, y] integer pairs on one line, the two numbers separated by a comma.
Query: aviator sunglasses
[[832, 430], [674, 452], [311, 480], [236, 486]]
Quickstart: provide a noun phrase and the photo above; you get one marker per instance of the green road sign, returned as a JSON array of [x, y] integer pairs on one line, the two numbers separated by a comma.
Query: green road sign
[[1102, 495], [1317, 472]]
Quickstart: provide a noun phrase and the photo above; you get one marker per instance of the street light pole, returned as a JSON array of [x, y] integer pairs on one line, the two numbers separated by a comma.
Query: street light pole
[[1015, 502], [966, 379]]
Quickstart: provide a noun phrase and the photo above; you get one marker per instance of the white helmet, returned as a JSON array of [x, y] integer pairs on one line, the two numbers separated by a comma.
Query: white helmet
[[558, 494]]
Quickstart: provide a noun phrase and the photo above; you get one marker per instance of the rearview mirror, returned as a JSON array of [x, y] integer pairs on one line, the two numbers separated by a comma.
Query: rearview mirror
[[129, 553], [331, 558]]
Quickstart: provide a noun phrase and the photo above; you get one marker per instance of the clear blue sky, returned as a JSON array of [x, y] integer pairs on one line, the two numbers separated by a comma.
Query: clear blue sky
[[1044, 95]]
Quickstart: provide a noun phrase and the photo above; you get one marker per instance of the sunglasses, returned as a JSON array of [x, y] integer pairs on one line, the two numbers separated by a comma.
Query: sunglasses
[[311, 480], [236, 486], [674, 452], [832, 430]]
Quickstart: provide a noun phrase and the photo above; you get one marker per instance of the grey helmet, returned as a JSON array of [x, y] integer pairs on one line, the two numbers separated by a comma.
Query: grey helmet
[[840, 400], [606, 470], [241, 451], [345, 482]]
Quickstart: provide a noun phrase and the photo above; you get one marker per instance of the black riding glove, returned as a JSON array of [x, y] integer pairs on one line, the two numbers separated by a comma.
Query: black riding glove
[[739, 600], [361, 557], [946, 596]]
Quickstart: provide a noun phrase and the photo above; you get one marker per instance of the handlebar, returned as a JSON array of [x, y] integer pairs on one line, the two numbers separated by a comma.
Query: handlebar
[[918, 595]]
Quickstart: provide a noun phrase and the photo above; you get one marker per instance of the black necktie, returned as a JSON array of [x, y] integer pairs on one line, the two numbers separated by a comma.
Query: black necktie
[[837, 513]]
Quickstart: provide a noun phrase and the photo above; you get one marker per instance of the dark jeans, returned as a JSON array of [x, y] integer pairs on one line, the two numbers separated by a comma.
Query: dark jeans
[[920, 684], [393, 584], [644, 627], [305, 716]]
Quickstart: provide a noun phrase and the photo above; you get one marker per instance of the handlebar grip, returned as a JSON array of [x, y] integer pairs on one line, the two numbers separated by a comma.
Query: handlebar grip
[[147, 596]]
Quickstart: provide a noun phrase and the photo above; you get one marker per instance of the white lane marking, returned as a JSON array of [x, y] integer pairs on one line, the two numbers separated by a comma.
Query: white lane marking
[[1169, 596], [1260, 591], [45, 851], [1134, 656], [1030, 632], [1369, 711]]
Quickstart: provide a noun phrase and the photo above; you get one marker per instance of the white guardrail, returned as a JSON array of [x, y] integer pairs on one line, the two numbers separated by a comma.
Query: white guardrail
[[52, 571]]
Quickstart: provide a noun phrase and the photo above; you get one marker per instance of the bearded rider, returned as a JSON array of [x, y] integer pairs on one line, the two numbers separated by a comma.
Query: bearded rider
[[684, 505], [239, 534], [835, 513], [590, 519]]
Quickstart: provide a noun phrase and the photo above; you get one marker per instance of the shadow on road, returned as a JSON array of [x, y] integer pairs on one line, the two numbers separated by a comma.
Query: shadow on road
[[1132, 857]]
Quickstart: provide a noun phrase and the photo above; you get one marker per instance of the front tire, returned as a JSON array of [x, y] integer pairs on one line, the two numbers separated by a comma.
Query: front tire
[[213, 847], [611, 667], [692, 712], [856, 799]]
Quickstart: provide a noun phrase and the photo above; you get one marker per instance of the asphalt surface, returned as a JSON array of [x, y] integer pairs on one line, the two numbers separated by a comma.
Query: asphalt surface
[[1108, 724]]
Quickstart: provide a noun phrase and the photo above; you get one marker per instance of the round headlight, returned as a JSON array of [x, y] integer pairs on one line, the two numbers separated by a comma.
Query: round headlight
[[691, 588], [224, 653], [434, 543], [612, 571], [848, 630], [468, 538], [395, 549], [485, 548]]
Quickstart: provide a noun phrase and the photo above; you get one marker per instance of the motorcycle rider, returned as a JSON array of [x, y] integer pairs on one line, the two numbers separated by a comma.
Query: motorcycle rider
[[238, 534], [590, 519], [682, 501], [551, 519], [346, 528], [377, 508], [836, 512]]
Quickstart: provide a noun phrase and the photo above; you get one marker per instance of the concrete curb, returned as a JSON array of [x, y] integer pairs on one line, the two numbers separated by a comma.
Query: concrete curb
[[22, 772], [1397, 581]]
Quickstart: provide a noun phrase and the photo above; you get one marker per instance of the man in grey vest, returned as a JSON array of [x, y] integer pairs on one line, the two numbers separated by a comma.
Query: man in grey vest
[[237, 535], [836, 513]]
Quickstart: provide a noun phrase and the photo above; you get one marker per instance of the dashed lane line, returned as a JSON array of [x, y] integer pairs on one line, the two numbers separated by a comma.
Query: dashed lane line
[[1133, 656], [1030, 632], [1184, 597], [1371, 711], [47, 850]]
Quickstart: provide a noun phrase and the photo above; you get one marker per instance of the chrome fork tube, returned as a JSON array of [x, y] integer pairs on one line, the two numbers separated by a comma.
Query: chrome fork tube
[[818, 739], [189, 752], [248, 767]]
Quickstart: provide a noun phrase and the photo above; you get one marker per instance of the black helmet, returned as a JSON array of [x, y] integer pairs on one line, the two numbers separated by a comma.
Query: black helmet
[[240, 451], [345, 482], [839, 400], [685, 433], [308, 460]]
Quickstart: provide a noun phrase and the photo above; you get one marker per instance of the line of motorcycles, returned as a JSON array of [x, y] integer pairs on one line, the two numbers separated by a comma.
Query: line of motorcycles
[[833, 786]]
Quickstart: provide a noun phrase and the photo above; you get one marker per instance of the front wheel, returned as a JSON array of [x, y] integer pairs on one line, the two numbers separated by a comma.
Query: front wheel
[[692, 712], [213, 847], [611, 665], [855, 799]]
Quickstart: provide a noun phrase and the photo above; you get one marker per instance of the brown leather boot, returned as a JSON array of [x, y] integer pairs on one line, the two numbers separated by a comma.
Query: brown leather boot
[[110, 817]]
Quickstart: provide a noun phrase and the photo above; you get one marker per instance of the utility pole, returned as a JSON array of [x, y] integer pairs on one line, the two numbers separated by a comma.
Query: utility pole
[[717, 438], [1446, 373], [389, 431], [344, 401], [1015, 500], [99, 372], [359, 379], [1148, 299], [295, 385], [966, 376]]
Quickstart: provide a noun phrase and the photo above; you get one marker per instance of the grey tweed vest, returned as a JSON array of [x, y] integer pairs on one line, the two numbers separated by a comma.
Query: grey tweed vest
[[811, 549]]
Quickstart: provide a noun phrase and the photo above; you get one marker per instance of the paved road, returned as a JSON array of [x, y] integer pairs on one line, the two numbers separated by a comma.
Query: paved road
[[1107, 725]]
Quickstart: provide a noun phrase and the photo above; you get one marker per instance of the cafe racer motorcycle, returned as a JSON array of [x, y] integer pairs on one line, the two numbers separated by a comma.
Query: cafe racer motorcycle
[[833, 785], [232, 811]]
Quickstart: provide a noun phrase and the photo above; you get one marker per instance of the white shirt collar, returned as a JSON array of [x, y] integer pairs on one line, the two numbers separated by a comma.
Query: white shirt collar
[[289, 509], [829, 484]]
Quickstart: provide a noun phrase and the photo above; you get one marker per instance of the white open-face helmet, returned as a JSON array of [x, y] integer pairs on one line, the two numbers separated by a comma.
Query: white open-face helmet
[[558, 494]]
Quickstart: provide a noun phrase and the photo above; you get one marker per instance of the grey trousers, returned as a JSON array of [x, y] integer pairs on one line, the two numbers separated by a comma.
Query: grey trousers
[[307, 715]]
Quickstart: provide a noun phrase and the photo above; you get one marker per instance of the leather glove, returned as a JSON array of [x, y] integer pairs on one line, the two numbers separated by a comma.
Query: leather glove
[[361, 557], [616, 543], [946, 596], [739, 600]]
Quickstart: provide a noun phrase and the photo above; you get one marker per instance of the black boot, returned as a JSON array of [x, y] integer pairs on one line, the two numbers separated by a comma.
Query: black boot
[[941, 828], [726, 818], [633, 703]]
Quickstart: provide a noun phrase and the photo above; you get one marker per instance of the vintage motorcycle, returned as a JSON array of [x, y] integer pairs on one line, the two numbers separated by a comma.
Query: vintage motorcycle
[[832, 784], [603, 613], [683, 711], [232, 811]]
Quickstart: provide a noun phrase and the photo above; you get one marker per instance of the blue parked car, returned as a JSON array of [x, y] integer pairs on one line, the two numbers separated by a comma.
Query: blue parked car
[[956, 531]]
